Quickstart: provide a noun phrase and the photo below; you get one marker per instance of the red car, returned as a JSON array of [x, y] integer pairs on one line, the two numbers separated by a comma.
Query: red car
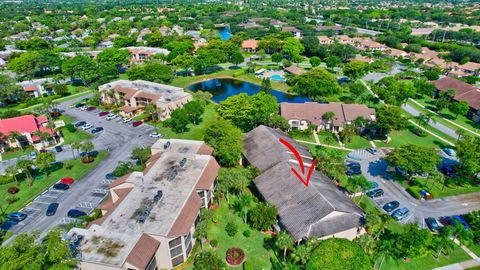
[[103, 114], [137, 123], [91, 108], [67, 181]]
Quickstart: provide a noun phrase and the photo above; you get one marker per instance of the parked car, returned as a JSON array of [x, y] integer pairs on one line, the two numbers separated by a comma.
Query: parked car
[[401, 213], [58, 148], [7, 225], [61, 186], [353, 165], [87, 126], [111, 116], [446, 221], [461, 221], [52, 209], [389, 207], [110, 176], [137, 123], [448, 171], [97, 130], [93, 153], [84, 108], [400, 171], [33, 155], [80, 124], [432, 224], [17, 216], [67, 181], [102, 114], [372, 150], [156, 135], [74, 213], [79, 105], [91, 108], [450, 152], [126, 120], [375, 193], [351, 172]]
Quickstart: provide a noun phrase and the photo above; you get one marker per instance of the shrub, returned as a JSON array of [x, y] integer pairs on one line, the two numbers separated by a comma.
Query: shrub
[[5, 180], [13, 190], [231, 228], [247, 233], [71, 128], [214, 243], [247, 265], [68, 166], [414, 191], [238, 73]]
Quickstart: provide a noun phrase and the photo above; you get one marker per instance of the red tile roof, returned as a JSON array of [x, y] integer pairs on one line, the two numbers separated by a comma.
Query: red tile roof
[[143, 251], [30, 88], [250, 44], [22, 124]]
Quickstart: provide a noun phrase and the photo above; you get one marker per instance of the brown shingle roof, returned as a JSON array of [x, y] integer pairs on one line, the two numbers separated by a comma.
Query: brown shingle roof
[[208, 175], [205, 150], [120, 180], [470, 66], [187, 216], [143, 251], [295, 70], [463, 91], [128, 109], [148, 96], [127, 91]]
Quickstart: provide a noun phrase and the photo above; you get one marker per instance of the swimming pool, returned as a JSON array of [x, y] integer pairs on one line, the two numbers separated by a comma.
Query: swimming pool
[[277, 77]]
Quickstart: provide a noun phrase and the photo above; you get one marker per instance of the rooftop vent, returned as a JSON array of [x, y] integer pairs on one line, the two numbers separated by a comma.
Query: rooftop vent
[[172, 174], [183, 162], [183, 150], [166, 145], [158, 196]]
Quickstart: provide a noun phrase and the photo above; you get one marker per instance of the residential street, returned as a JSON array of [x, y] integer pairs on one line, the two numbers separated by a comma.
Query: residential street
[[438, 126], [374, 169], [85, 194]]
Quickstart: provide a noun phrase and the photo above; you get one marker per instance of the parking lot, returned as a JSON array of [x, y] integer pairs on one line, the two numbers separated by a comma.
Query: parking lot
[[374, 168], [85, 194]]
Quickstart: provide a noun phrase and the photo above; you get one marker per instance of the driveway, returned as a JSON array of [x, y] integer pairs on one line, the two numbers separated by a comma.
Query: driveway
[[374, 169], [117, 138]]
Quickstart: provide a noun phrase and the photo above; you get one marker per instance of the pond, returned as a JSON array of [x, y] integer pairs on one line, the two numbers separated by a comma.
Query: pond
[[222, 89], [224, 33]]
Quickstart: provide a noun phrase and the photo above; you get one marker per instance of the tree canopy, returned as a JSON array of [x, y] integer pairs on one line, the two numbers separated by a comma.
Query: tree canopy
[[317, 83], [226, 140], [338, 253], [414, 159]]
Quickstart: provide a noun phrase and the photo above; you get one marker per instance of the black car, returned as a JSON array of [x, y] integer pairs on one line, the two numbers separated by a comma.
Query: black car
[[389, 207], [80, 123], [448, 171], [110, 176], [372, 151], [354, 165], [432, 224], [97, 130], [74, 213], [375, 193], [61, 186], [58, 148], [78, 105], [52, 209], [353, 172]]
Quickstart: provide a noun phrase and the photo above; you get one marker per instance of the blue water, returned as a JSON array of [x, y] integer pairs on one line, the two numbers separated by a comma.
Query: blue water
[[221, 89], [225, 33], [277, 77]]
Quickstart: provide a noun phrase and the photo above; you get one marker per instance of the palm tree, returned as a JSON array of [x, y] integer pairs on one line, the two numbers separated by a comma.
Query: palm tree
[[12, 171], [25, 165], [87, 147], [328, 117], [461, 133], [243, 205], [284, 241], [151, 110], [75, 146], [15, 136], [44, 136]]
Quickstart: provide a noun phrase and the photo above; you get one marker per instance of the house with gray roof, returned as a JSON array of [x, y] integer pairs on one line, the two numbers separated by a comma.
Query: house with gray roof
[[318, 210]]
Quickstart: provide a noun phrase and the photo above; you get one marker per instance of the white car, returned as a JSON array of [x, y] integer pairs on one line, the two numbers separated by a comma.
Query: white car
[[156, 135], [84, 108], [87, 126], [111, 116], [126, 120]]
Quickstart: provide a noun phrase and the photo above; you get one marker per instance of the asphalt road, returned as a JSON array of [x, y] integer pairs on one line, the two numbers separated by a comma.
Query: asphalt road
[[374, 169], [85, 194]]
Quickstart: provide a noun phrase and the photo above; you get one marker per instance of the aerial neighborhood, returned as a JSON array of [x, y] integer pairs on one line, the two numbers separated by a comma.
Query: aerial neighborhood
[[255, 135]]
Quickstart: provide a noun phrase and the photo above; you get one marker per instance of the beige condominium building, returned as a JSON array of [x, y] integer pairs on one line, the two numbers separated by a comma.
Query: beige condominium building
[[149, 217], [133, 96]]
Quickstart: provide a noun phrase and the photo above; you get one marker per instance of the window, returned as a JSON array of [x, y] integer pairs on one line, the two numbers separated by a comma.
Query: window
[[175, 242], [152, 265], [188, 239], [174, 252], [189, 248], [177, 261]]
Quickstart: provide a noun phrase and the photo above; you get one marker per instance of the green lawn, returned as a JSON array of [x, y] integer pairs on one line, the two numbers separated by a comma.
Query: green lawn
[[438, 190], [77, 136], [358, 142], [428, 262], [194, 132], [28, 193], [323, 135], [17, 152], [461, 120], [403, 137], [298, 135], [475, 248], [253, 246]]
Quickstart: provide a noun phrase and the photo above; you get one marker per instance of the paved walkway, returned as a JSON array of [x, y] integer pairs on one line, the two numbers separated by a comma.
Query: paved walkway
[[449, 121], [438, 126], [326, 145]]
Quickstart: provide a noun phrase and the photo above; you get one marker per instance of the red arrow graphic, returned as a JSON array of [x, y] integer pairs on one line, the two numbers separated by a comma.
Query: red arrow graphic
[[300, 161]]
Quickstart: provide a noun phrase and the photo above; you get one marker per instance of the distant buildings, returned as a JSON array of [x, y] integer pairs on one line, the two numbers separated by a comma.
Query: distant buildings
[[463, 92], [300, 115], [250, 45], [28, 128], [297, 33], [149, 218], [140, 54], [133, 96], [320, 210], [36, 88]]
